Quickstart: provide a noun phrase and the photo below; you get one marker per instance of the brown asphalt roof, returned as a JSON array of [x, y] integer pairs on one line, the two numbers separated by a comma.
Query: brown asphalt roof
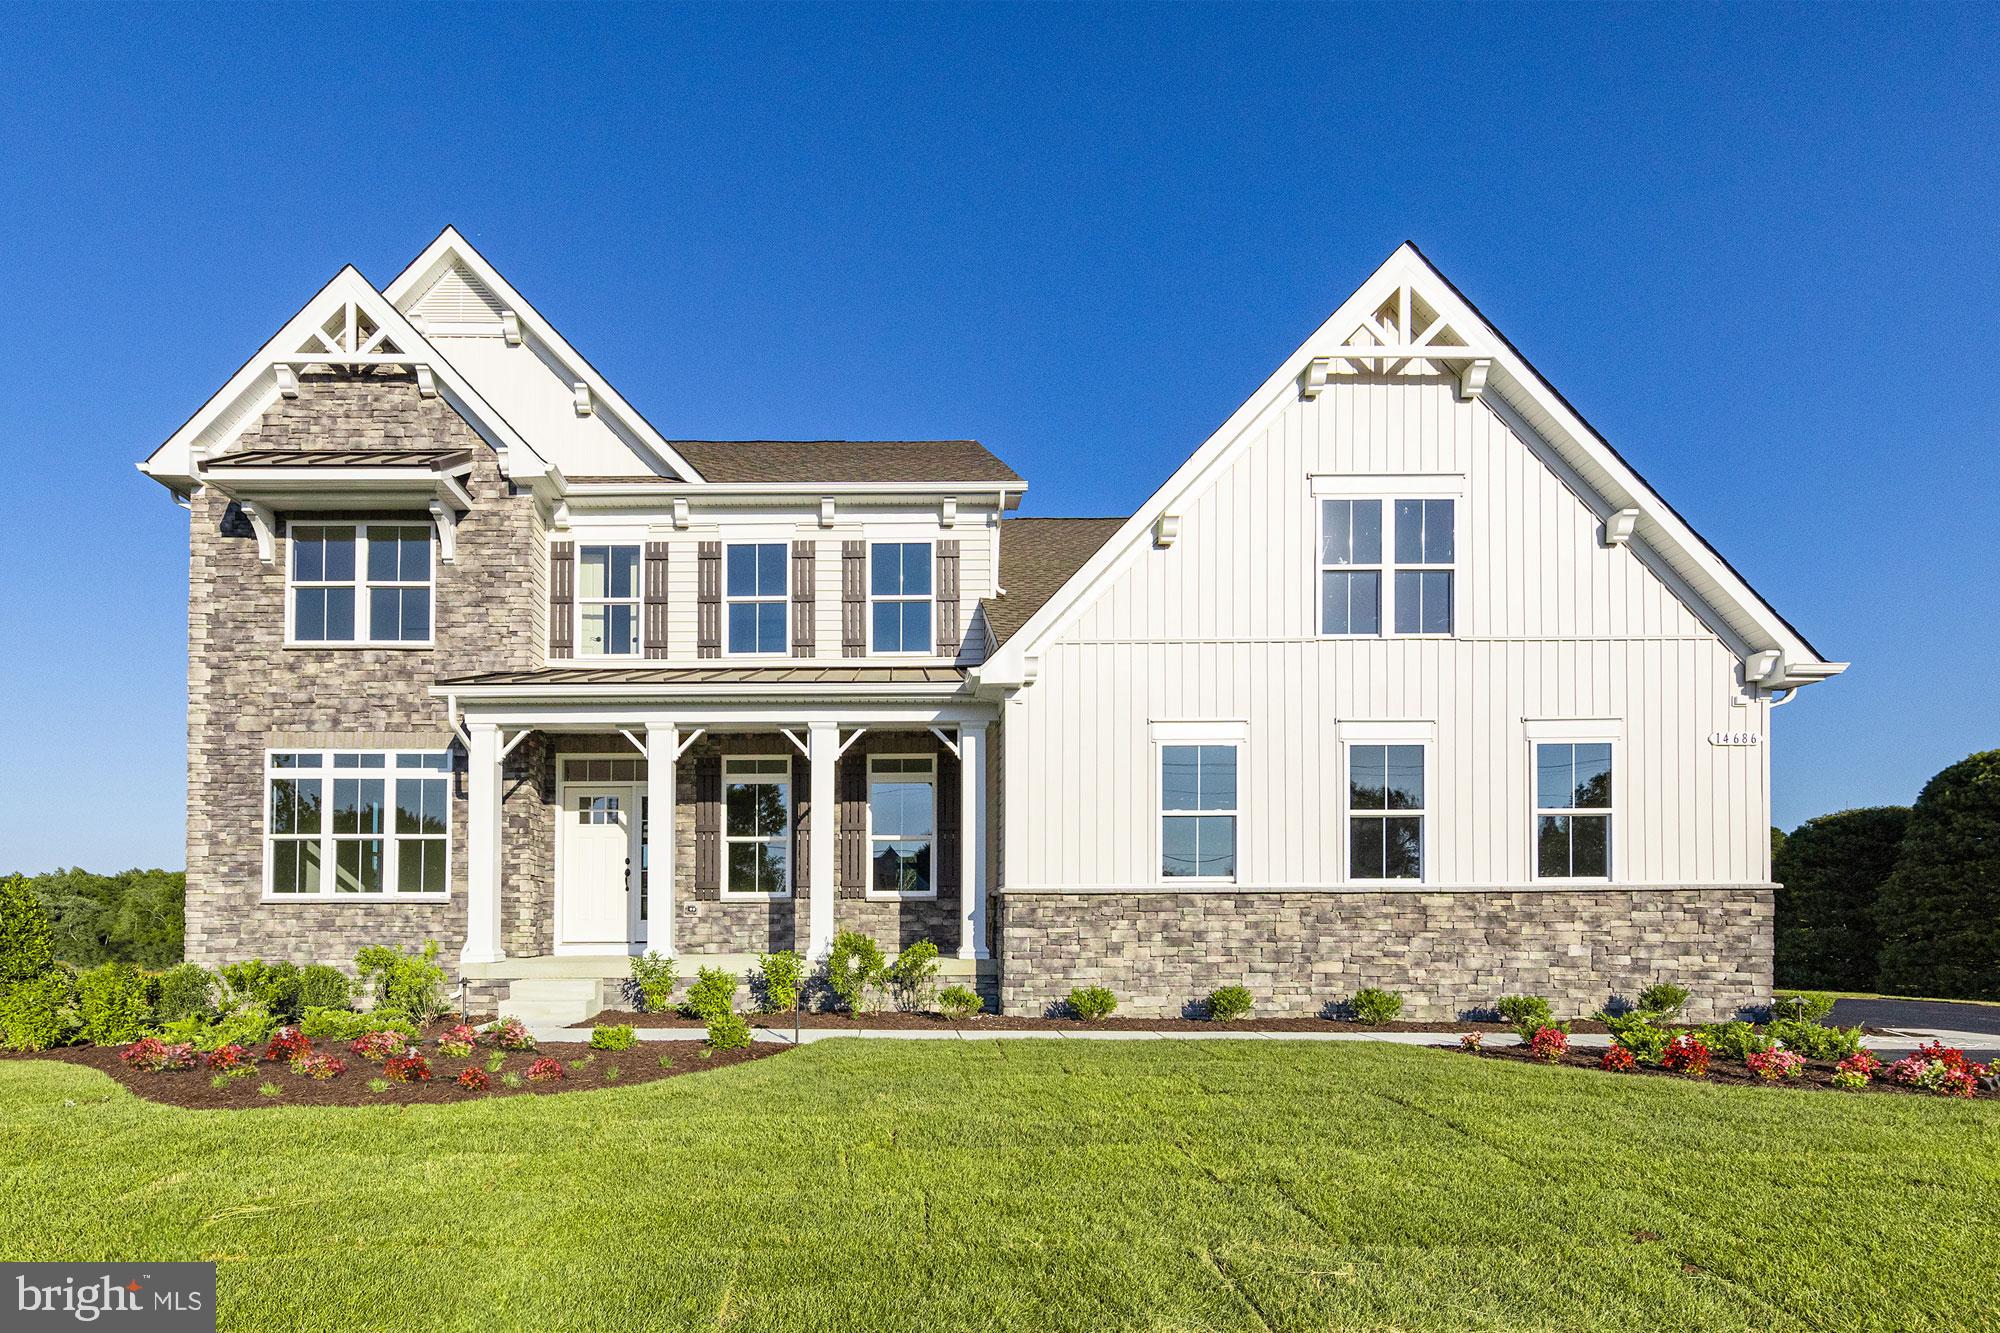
[[738, 461], [1038, 556], [431, 458], [697, 676]]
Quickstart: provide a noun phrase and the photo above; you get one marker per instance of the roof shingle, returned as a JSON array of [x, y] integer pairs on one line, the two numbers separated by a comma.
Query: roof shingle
[[1038, 556], [750, 461]]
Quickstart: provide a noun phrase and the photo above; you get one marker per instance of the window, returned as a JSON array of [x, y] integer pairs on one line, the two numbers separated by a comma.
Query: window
[[899, 591], [1350, 590], [1198, 811], [1573, 810], [1418, 596], [1385, 811], [360, 582], [902, 825], [348, 822], [757, 827], [754, 589], [607, 601], [1423, 590]]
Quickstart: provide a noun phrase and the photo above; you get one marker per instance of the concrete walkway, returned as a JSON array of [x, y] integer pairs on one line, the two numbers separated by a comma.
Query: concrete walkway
[[1976, 1044]]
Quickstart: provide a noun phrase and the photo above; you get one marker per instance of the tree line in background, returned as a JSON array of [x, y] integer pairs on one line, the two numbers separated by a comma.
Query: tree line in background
[[1902, 900], [136, 916]]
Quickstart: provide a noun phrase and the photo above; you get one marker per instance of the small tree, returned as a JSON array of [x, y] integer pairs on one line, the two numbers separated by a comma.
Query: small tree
[[25, 951], [1939, 912], [1830, 872]]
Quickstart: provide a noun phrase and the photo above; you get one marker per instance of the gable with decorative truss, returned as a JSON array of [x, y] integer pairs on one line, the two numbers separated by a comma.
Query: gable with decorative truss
[[1405, 334]]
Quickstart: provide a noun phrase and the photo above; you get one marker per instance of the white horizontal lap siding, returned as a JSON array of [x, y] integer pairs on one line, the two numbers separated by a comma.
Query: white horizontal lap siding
[[1222, 625]]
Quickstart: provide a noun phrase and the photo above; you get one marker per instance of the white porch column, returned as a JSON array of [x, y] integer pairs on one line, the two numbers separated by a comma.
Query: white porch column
[[823, 753], [663, 743], [972, 840], [482, 846]]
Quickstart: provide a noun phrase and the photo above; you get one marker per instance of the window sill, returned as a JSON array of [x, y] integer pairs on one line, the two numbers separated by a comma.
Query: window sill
[[874, 897], [412, 645], [730, 896], [367, 898]]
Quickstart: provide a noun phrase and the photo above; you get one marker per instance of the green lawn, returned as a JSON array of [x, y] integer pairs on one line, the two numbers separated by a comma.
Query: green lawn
[[1039, 1185]]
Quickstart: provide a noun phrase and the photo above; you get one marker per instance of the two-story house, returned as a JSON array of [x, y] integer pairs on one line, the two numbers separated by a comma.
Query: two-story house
[[1405, 678]]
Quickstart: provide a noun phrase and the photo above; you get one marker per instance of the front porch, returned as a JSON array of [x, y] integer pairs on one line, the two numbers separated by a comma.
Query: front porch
[[715, 830]]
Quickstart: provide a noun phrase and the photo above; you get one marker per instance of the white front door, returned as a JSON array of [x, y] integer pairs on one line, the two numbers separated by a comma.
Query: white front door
[[598, 890]]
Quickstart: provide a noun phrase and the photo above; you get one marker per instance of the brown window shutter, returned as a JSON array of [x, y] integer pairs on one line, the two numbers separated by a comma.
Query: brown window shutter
[[708, 600], [801, 823], [948, 637], [945, 871], [853, 784], [854, 599], [562, 598], [804, 562], [656, 599], [708, 822]]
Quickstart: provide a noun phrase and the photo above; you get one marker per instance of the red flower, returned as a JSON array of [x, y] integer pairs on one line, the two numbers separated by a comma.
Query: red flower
[[1686, 1055], [288, 1044], [407, 1069], [1549, 1045], [545, 1070], [475, 1080], [1618, 1060]]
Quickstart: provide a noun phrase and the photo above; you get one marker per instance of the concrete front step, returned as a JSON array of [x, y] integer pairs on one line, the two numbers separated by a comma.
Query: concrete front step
[[543, 1001], [617, 967]]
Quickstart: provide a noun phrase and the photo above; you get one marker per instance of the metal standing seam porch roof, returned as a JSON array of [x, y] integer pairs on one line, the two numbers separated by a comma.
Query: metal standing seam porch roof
[[804, 675], [806, 462], [441, 460]]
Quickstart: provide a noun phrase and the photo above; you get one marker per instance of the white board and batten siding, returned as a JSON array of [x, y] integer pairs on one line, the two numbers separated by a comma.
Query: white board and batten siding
[[1223, 625]]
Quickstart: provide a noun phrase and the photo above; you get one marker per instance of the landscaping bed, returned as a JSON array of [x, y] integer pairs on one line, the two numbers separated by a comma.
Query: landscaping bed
[[901, 1020], [1864, 1072], [582, 1069]]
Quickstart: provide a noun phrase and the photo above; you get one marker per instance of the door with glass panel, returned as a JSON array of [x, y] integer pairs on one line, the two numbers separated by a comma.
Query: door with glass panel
[[598, 894]]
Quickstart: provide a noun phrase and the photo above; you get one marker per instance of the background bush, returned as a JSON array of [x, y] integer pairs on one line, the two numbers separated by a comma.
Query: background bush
[[712, 994], [959, 1002], [1229, 1003], [111, 1004], [1939, 911], [1371, 1004], [1663, 999], [38, 1013], [1830, 871], [134, 916], [1526, 1013], [25, 948], [412, 982], [779, 975], [185, 991], [323, 987]]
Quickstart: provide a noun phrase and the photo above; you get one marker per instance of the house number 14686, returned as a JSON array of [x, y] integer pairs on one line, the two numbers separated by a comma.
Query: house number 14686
[[1732, 738]]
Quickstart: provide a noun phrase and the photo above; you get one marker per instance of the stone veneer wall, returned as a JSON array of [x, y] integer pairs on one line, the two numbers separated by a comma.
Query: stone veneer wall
[[247, 691], [1450, 954]]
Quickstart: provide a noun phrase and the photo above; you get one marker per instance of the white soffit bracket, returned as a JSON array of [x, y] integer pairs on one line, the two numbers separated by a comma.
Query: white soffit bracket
[[1472, 380], [797, 744], [948, 513], [581, 391], [447, 526], [634, 742], [826, 511], [680, 512], [519, 736], [426, 383], [265, 524], [1166, 530], [510, 328], [692, 737], [859, 732], [1763, 666], [560, 517], [288, 381], [947, 742], [1618, 528]]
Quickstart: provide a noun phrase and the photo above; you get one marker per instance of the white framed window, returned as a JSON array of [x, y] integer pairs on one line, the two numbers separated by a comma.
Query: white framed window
[[359, 583], [899, 597], [1387, 802], [755, 597], [756, 826], [357, 823], [607, 600], [1573, 808], [1198, 795], [1387, 554], [902, 826]]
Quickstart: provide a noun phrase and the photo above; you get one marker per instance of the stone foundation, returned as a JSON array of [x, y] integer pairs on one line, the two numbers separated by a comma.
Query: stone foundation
[[1451, 955]]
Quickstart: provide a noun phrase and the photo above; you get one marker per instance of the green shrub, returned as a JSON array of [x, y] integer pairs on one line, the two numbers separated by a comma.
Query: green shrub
[[40, 1012], [1230, 1003], [1092, 1002], [1636, 1033], [853, 965], [1737, 1040], [249, 1026], [412, 982], [111, 1004], [1526, 1014], [1373, 1005], [241, 982], [1815, 1042], [612, 1037], [1939, 910], [323, 987], [913, 976], [323, 1023], [186, 991], [728, 1031], [1803, 1006], [26, 951], [1663, 999], [780, 975], [1830, 872], [712, 994], [279, 990], [960, 1002], [654, 978]]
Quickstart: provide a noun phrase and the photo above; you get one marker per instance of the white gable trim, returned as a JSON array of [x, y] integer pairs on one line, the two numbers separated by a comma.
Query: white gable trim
[[451, 248], [1517, 386], [271, 372]]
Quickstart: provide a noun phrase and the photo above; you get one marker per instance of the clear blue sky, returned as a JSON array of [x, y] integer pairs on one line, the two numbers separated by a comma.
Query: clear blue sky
[[1756, 247]]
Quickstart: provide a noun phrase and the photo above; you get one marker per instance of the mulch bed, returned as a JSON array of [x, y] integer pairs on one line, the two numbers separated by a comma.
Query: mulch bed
[[583, 1070], [896, 1020], [1816, 1077]]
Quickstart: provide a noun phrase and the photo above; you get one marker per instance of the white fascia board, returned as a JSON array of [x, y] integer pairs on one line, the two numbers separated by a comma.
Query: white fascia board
[[255, 384], [325, 488], [449, 246], [1594, 460]]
